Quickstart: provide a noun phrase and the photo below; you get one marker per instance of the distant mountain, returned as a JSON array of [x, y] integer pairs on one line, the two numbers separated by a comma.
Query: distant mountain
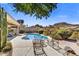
[[64, 24]]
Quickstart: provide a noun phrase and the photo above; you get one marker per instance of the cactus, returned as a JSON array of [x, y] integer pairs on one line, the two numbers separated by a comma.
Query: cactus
[[0, 28], [3, 27]]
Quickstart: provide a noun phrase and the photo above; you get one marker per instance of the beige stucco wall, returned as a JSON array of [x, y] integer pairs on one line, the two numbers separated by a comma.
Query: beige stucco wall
[[10, 20]]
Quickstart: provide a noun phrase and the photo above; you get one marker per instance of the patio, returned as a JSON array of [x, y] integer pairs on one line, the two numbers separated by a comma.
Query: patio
[[25, 48]]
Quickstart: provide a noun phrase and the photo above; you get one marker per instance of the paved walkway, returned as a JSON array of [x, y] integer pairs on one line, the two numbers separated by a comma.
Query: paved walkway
[[51, 52], [25, 48], [73, 45]]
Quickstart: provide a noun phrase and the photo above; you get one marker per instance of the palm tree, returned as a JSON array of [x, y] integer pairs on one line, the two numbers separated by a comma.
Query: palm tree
[[39, 10]]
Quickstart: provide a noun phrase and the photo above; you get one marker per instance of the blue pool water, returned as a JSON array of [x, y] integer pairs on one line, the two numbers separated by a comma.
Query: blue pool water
[[32, 36]]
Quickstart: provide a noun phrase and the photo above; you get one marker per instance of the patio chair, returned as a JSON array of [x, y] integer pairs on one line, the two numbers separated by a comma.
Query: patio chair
[[56, 45], [69, 51], [38, 48]]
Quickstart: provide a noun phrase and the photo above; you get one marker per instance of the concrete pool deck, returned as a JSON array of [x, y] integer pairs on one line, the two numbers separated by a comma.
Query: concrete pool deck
[[25, 48], [22, 47]]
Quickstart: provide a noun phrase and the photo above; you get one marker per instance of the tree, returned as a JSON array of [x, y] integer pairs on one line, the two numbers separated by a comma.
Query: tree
[[20, 21], [39, 10], [37, 25]]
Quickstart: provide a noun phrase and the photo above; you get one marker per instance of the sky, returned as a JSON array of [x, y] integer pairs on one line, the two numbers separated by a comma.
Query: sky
[[65, 12]]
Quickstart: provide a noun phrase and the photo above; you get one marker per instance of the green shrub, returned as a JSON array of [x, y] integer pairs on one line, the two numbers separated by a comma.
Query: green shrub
[[41, 32], [21, 31], [61, 34], [64, 33], [46, 32], [75, 35], [8, 47]]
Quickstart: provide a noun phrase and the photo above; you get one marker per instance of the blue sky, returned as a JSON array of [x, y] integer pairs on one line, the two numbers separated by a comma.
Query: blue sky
[[64, 13]]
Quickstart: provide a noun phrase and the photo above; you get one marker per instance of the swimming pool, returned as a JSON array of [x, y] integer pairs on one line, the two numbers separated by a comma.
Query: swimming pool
[[32, 36]]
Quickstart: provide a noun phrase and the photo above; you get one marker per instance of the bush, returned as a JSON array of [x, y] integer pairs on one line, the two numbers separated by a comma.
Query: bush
[[46, 32], [8, 47], [41, 32], [21, 31], [65, 34], [75, 35]]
